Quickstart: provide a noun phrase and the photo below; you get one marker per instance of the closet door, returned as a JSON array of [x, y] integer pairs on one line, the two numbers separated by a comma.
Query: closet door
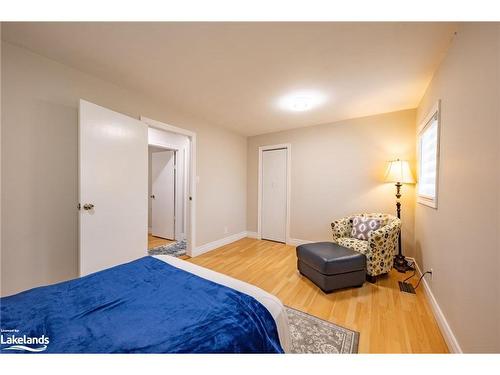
[[274, 191], [113, 180]]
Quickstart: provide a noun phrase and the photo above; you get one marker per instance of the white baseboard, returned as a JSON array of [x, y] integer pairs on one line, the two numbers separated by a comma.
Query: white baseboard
[[238, 236], [218, 243], [253, 235], [297, 242], [290, 241], [445, 328]]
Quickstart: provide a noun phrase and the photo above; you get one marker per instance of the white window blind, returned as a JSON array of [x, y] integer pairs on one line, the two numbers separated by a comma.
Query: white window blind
[[428, 162]]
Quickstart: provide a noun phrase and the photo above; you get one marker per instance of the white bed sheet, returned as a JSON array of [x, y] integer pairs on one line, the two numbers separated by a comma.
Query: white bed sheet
[[270, 302]]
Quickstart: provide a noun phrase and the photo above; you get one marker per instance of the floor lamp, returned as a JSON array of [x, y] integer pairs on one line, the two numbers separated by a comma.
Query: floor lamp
[[399, 172]]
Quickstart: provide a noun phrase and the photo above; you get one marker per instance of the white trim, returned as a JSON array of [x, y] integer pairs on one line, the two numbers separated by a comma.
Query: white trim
[[291, 241], [191, 223], [445, 328], [218, 243], [297, 242], [164, 145], [164, 126], [288, 147], [253, 235], [436, 109]]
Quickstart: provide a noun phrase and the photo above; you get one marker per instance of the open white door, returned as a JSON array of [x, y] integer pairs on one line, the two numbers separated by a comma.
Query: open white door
[[113, 182], [274, 195], [163, 194]]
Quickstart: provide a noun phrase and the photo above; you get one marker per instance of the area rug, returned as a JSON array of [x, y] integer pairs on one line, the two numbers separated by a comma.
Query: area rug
[[175, 249], [314, 335]]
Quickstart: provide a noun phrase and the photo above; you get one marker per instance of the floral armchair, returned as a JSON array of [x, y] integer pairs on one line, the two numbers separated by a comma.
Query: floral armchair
[[381, 246]]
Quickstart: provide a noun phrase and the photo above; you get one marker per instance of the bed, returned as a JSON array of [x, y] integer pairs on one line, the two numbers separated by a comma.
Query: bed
[[157, 304]]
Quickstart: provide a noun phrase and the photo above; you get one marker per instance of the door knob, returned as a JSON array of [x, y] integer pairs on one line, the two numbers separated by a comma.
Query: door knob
[[88, 206]]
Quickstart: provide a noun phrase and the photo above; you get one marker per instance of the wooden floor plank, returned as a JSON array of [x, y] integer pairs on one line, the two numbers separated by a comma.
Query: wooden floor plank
[[157, 241], [389, 321]]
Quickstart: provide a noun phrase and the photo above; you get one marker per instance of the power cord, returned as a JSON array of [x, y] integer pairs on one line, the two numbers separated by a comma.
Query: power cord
[[407, 287], [421, 277], [419, 280], [408, 278]]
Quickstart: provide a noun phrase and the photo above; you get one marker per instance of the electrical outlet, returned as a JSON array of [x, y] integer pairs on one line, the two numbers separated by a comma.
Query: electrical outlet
[[226, 231]]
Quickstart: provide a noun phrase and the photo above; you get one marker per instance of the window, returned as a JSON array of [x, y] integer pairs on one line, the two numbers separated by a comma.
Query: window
[[428, 159]]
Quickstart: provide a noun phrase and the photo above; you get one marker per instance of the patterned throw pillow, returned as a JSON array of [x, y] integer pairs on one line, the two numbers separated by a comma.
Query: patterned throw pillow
[[363, 226]]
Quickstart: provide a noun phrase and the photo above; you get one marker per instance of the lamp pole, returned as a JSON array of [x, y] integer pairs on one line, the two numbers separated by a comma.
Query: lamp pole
[[400, 263]]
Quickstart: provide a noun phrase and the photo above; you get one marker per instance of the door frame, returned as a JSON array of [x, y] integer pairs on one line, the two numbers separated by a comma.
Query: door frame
[[288, 147], [190, 194], [175, 150]]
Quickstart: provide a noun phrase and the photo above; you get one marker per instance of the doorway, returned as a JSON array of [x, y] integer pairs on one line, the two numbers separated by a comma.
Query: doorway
[[162, 196], [170, 165], [113, 186]]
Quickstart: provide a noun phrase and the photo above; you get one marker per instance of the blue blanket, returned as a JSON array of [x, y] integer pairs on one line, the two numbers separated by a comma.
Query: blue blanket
[[145, 306]]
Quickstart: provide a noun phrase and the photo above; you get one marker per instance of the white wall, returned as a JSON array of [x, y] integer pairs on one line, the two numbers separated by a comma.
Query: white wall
[[460, 240], [39, 166], [338, 170]]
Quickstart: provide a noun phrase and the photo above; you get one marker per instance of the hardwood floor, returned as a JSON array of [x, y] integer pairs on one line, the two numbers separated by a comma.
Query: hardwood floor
[[389, 321], [157, 241]]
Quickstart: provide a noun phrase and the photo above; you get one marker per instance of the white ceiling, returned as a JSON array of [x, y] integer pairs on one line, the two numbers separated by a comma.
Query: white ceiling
[[233, 74]]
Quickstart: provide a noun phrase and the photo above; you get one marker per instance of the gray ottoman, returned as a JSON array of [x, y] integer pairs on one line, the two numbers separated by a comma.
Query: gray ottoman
[[331, 266]]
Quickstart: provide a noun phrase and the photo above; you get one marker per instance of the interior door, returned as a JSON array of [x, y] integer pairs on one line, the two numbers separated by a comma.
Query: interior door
[[274, 195], [163, 194], [113, 179]]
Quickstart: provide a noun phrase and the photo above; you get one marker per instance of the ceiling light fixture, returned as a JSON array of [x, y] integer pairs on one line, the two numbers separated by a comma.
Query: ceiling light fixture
[[301, 101]]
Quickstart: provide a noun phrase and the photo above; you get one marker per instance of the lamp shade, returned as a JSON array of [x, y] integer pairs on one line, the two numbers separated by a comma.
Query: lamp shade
[[399, 171]]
